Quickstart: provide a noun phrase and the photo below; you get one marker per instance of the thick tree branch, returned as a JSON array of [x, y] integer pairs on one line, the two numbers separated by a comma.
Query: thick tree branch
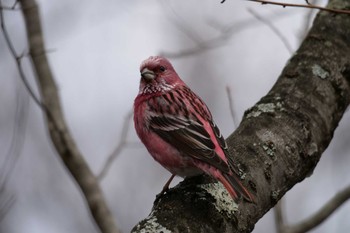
[[279, 141], [57, 127]]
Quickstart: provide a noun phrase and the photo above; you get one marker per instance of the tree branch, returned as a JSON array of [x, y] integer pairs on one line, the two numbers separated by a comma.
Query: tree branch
[[118, 149], [279, 141], [307, 5], [10, 8], [278, 214], [59, 132], [307, 22], [274, 29], [321, 215], [231, 107], [16, 57], [202, 45]]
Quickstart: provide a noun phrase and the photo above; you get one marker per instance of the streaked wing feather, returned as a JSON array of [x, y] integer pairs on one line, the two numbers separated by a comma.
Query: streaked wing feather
[[219, 136], [189, 137]]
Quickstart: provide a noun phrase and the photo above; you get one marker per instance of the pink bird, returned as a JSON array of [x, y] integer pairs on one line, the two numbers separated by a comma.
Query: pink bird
[[178, 130]]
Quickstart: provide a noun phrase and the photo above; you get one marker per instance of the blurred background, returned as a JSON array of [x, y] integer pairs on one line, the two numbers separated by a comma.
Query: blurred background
[[95, 49]]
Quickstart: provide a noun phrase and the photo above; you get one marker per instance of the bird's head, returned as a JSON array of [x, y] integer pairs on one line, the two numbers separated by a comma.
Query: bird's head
[[157, 75]]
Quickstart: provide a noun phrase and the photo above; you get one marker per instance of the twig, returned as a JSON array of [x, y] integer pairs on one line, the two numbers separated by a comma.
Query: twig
[[6, 205], [19, 128], [118, 149], [7, 8], [175, 18], [322, 214], [307, 22], [17, 140], [278, 213], [231, 106], [225, 34], [308, 5], [59, 132], [18, 59], [273, 28], [10, 8]]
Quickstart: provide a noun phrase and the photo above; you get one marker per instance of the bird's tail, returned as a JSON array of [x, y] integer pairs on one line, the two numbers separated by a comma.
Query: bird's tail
[[232, 183]]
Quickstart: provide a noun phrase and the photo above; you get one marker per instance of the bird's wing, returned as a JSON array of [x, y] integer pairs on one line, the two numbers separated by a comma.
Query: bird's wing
[[190, 137]]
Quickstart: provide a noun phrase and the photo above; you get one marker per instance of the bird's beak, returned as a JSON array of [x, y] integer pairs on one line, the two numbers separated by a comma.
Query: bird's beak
[[147, 74]]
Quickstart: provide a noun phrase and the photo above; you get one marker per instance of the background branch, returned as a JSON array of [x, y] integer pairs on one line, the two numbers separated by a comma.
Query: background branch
[[57, 127], [6, 203], [226, 32], [118, 149], [17, 58], [279, 217], [307, 22], [19, 128], [321, 215], [274, 29], [231, 107]]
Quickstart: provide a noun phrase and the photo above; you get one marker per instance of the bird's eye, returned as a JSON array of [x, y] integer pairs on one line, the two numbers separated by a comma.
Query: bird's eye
[[162, 68]]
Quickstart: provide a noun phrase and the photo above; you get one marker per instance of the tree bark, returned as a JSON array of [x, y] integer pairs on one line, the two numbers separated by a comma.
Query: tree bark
[[279, 141]]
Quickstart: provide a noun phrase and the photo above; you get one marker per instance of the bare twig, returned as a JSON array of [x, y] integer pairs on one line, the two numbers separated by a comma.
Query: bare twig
[[279, 219], [10, 8], [175, 18], [308, 5], [17, 58], [118, 149], [5, 205], [7, 8], [59, 132], [225, 34], [17, 140], [273, 29], [20, 120], [322, 214], [307, 22], [231, 106]]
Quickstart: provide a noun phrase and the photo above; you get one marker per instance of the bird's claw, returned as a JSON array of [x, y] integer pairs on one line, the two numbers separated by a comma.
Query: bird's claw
[[159, 195]]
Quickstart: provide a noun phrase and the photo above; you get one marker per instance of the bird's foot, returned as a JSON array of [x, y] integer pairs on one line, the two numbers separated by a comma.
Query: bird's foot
[[159, 195], [165, 189]]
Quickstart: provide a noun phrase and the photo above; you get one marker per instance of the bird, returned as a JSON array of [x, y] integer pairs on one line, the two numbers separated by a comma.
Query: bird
[[178, 129]]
